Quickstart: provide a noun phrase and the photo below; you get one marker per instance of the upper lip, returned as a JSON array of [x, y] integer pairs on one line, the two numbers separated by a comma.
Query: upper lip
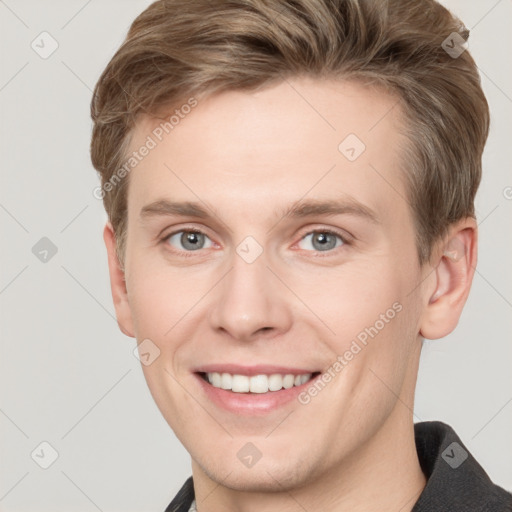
[[259, 369]]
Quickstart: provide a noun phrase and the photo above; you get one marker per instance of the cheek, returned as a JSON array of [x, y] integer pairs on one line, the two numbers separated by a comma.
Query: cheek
[[369, 315], [351, 298], [160, 297]]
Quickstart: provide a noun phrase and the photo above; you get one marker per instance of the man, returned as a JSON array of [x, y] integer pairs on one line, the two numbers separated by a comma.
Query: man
[[290, 215]]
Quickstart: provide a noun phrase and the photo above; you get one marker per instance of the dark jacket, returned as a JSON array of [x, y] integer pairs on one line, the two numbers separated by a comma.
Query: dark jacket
[[456, 482]]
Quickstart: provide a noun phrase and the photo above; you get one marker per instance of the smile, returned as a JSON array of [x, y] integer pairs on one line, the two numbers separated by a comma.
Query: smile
[[255, 389], [262, 383]]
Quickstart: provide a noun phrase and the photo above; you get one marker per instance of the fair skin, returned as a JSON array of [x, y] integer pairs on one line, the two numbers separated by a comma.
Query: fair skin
[[246, 158]]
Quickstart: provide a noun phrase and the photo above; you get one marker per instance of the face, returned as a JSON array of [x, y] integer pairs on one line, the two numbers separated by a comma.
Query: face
[[267, 247]]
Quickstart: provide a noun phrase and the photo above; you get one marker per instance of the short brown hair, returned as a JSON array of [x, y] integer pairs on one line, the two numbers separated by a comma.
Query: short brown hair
[[180, 48]]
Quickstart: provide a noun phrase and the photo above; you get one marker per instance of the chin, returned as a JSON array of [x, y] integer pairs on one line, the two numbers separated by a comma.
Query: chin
[[264, 476]]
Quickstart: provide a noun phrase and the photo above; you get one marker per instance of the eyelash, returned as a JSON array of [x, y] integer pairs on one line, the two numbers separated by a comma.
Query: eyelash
[[187, 254]]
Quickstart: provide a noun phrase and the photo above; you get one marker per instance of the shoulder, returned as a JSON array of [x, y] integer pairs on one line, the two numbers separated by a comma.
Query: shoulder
[[456, 481], [183, 500]]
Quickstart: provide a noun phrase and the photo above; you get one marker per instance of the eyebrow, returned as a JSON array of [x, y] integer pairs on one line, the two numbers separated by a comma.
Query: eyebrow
[[169, 208], [300, 209]]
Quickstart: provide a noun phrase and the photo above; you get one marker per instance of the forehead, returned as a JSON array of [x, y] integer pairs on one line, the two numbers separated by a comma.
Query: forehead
[[300, 137]]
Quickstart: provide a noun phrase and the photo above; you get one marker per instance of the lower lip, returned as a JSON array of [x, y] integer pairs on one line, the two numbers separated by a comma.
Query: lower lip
[[251, 403]]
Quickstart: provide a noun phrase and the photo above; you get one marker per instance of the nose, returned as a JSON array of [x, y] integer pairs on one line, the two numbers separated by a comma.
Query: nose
[[250, 302]]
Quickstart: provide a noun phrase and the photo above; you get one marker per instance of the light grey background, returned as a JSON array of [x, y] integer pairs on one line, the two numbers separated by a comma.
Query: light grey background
[[68, 376]]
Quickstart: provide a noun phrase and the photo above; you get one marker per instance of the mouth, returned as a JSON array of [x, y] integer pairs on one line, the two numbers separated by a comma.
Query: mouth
[[250, 390], [256, 384]]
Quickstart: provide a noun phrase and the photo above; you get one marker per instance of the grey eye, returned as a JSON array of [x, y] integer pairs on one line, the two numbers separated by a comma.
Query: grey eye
[[321, 241], [189, 240]]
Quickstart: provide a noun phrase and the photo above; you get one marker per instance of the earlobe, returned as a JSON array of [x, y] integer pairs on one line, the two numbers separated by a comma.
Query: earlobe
[[117, 283], [451, 278]]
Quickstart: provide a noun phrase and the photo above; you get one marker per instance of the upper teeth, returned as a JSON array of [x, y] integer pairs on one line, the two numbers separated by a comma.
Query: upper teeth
[[256, 383]]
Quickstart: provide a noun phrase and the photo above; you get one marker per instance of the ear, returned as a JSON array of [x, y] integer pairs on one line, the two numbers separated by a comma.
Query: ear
[[450, 281], [118, 283]]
